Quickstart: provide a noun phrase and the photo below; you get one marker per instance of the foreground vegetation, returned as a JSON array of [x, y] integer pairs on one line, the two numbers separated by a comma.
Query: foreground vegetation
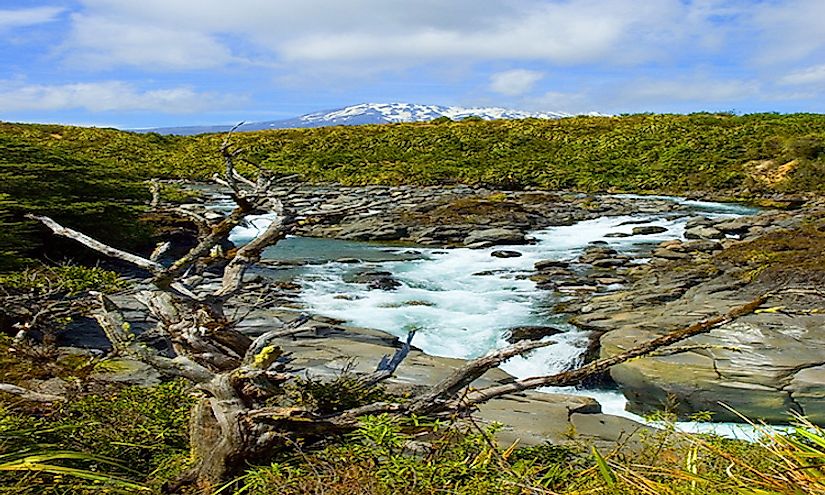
[[108, 439]]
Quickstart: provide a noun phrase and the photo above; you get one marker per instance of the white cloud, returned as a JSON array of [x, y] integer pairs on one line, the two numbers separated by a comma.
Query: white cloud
[[789, 30], [809, 75], [515, 82], [193, 33], [101, 42], [105, 96], [10, 19]]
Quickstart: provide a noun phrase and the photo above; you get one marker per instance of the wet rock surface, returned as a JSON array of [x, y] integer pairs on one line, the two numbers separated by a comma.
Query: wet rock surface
[[449, 216], [763, 365]]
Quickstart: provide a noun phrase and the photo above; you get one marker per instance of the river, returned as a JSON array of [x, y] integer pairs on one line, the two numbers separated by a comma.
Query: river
[[462, 301]]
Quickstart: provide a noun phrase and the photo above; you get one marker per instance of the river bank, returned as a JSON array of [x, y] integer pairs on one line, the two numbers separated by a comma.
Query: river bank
[[517, 264]]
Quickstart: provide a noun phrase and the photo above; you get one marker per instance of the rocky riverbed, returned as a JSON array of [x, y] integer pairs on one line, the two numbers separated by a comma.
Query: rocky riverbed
[[763, 365]]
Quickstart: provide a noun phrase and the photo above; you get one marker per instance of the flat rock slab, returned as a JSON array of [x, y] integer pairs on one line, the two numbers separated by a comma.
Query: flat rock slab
[[532, 418]]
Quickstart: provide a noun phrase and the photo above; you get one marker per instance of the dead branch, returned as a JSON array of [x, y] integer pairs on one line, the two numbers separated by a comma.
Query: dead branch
[[388, 365], [29, 395], [251, 253], [577, 375], [434, 399], [125, 343], [97, 245]]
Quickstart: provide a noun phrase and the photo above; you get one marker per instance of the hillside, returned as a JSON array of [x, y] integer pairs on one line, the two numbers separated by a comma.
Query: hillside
[[663, 153], [715, 153]]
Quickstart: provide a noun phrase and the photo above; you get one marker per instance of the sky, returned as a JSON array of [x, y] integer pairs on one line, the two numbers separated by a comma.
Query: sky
[[148, 63]]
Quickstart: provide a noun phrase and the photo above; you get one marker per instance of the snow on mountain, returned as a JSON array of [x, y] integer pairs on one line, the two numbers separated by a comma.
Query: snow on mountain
[[408, 112], [371, 113]]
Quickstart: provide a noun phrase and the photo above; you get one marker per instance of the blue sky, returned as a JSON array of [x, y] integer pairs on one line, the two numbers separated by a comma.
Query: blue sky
[[144, 63]]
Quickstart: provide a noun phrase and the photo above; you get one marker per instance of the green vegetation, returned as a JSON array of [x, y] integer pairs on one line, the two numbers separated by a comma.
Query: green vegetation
[[673, 153], [99, 200], [90, 178], [65, 280], [785, 256], [112, 439], [119, 441]]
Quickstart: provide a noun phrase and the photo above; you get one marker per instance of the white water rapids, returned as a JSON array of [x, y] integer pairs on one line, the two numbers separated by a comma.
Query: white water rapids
[[462, 301]]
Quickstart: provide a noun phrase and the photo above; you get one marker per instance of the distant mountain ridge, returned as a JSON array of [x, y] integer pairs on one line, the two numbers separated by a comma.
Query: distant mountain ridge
[[370, 113]]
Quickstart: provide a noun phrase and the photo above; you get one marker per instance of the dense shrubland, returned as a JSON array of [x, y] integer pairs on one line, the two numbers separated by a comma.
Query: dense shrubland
[[85, 175]]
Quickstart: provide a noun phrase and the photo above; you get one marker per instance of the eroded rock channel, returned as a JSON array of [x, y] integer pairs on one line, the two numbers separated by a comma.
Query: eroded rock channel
[[471, 269]]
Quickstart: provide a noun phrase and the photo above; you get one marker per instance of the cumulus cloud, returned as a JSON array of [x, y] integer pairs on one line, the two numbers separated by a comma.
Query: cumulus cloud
[[17, 18], [515, 82], [377, 31], [103, 42], [104, 96]]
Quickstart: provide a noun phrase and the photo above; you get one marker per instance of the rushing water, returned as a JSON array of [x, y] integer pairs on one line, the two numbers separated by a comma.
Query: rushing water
[[462, 301]]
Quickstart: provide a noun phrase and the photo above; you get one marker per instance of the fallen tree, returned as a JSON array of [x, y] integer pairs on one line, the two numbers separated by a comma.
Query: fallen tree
[[234, 422]]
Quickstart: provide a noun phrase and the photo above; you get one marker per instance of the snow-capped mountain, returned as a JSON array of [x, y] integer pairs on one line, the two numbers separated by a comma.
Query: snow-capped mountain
[[371, 113]]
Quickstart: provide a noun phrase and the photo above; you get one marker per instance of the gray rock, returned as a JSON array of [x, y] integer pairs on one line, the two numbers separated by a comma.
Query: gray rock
[[126, 371], [505, 254], [531, 332], [547, 264], [496, 236], [807, 389], [735, 225], [479, 245], [701, 245], [703, 233], [648, 229], [611, 262], [669, 254], [698, 221], [372, 229]]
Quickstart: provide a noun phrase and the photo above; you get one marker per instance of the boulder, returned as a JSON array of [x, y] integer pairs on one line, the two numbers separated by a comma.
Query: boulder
[[531, 332], [648, 229], [547, 264], [597, 252], [505, 254], [496, 236], [701, 232], [738, 225], [374, 279], [669, 254], [611, 262], [372, 229], [126, 372]]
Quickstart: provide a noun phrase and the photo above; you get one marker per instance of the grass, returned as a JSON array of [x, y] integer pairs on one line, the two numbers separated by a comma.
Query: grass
[[134, 439]]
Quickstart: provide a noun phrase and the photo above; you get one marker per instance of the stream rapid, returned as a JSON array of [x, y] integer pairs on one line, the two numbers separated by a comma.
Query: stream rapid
[[462, 302]]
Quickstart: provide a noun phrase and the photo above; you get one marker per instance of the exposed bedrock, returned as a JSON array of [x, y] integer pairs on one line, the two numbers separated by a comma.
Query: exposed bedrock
[[765, 365]]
